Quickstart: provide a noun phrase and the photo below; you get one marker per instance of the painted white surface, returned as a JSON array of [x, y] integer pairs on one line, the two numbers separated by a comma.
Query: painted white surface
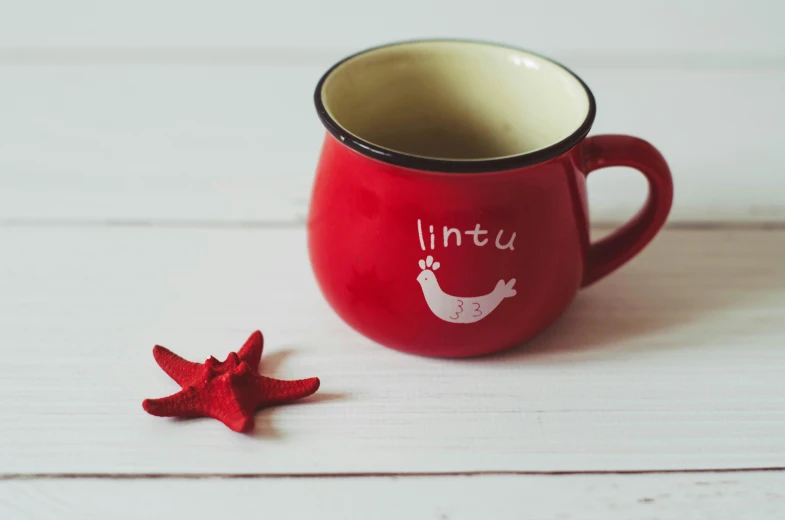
[[240, 143], [719, 496], [185, 113], [675, 362], [616, 26]]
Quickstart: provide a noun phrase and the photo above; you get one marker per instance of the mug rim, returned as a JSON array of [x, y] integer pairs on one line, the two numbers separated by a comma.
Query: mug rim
[[441, 165]]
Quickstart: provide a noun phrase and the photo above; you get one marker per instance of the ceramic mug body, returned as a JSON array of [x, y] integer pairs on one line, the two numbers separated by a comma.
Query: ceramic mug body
[[449, 214]]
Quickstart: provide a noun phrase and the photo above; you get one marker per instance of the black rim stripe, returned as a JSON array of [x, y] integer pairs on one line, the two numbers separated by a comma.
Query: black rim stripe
[[447, 165]]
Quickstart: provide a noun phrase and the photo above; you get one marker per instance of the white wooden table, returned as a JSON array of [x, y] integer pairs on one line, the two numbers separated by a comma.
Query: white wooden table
[[150, 192]]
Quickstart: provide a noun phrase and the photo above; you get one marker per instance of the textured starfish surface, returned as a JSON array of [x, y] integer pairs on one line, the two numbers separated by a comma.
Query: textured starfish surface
[[230, 391]]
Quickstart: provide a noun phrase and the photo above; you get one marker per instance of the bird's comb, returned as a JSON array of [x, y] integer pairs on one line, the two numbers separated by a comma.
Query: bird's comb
[[428, 263]]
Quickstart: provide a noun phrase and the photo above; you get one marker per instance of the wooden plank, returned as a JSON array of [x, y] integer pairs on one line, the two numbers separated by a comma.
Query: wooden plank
[[722, 26], [240, 143], [675, 362], [607, 497]]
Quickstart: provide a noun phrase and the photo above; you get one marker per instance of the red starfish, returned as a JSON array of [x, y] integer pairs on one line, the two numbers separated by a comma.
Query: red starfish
[[230, 391]]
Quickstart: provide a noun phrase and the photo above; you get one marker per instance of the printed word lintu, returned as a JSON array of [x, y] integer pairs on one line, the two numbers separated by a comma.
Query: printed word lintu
[[454, 236]]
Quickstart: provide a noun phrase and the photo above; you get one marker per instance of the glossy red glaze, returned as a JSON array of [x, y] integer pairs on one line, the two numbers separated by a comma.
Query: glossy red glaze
[[365, 246]]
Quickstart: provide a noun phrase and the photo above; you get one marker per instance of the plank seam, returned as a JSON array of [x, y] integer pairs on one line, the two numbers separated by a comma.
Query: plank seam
[[356, 475], [295, 56], [300, 223]]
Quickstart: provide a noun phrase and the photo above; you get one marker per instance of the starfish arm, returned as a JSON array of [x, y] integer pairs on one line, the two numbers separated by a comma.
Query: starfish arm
[[251, 352], [272, 391], [179, 369], [233, 416], [185, 403]]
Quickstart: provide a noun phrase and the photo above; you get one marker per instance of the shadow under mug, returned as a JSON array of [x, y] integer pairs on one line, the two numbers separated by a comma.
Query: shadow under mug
[[449, 214]]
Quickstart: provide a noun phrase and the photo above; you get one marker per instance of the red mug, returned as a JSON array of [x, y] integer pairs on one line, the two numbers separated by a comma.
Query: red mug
[[449, 215]]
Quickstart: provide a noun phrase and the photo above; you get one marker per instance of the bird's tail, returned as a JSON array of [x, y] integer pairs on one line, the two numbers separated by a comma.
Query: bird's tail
[[506, 289]]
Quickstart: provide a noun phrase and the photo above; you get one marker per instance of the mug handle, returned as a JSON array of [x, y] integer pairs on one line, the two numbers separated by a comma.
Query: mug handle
[[611, 252]]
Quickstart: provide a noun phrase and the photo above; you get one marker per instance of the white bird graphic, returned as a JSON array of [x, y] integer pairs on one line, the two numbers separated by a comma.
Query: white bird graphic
[[459, 309]]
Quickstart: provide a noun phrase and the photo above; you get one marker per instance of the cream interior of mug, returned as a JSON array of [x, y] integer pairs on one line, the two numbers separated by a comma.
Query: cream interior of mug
[[455, 100]]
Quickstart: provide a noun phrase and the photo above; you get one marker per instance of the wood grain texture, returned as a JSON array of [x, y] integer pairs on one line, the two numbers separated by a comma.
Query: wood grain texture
[[675, 362], [618, 26], [641, 497], [156, 159], [197, 143]]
